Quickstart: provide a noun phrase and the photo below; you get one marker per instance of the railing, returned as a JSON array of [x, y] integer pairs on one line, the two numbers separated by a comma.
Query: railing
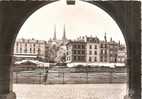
[[64, 77]]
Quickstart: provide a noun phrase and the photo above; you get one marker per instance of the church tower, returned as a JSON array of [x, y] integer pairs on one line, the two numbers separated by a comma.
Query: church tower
[[54, 38], [105, 38], [64, 34]]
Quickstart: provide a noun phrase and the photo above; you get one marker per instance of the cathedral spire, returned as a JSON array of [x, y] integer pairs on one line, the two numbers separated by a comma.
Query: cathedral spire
[[54, 38], [105, 37], [64, 34]]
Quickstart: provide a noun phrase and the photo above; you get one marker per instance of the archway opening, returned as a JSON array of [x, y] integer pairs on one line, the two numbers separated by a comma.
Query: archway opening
[[97, 53]]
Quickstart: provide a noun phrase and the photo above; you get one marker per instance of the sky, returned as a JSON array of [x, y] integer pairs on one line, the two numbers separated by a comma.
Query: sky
[[80, 19]]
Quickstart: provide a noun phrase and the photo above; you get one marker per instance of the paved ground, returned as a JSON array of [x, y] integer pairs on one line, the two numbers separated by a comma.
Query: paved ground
[[70, 91]]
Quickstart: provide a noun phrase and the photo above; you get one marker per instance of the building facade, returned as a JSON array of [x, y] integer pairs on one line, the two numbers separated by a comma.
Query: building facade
[[113, 48], [96, 50], [30, 49], [50, 50], [76, 51], [83, 49], [122, 55], [92, 49]]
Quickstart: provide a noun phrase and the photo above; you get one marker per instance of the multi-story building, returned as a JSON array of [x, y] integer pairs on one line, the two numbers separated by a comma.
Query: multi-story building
[[40, 49], [113, 51], [30, 49], [122, 55], [95, 51], [76, 51], [92, 49], [103, 51], [84, 49]]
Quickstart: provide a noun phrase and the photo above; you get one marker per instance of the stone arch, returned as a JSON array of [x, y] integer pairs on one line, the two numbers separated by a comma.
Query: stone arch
[[126, 14]]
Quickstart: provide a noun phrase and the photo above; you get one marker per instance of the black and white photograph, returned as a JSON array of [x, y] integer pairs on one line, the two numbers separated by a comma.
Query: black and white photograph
[[70, 49]]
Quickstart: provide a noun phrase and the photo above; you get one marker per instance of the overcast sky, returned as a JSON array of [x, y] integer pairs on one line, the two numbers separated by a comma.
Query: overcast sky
[[80, 19]]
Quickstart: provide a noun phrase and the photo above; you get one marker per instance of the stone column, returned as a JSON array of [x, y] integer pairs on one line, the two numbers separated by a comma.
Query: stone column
[[12, 16], [5, 77]]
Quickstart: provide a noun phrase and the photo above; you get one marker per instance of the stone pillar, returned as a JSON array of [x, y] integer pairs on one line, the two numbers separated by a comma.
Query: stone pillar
[[12, 16], [10, 95], [128, 16], [5, 77], [135, 51]]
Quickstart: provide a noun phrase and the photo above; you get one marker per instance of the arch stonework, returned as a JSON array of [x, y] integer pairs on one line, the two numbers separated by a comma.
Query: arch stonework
[[126, 14]]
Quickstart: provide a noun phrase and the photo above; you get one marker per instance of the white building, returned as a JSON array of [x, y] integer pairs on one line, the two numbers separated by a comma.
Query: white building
[[92, 49], [30, 49], [122, 55], [96, 51]]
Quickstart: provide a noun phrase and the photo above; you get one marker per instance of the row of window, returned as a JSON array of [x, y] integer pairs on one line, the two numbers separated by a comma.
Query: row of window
[[25, 44], [90, 53], [91, 47], [112, 59], [103, 52], [91, 59], [95, 40], [121, 60], [79, 46], [103, 59], [94, 59], [26, 50], [78, 52], [95, 47], [78, 58], [95, 52]]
